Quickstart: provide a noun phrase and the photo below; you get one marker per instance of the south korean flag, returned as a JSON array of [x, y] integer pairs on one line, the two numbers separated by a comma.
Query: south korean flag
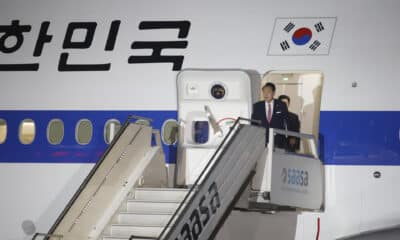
[[302, 36]]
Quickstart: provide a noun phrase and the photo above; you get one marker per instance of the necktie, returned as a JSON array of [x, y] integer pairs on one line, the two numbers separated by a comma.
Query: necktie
[[269, 115]]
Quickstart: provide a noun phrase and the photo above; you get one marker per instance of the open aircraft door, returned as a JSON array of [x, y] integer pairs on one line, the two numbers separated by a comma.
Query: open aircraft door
[[296, 177]]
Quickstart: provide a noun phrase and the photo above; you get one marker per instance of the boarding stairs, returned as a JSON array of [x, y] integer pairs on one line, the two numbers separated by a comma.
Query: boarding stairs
[[127, 195], [145, 215]]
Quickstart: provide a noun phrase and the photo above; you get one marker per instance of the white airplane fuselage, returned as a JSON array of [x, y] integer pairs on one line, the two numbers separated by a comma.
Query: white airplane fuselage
[[84, 60]]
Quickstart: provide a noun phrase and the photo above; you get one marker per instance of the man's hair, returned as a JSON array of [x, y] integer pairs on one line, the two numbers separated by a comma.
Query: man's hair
[[281, 97], [270, 85]]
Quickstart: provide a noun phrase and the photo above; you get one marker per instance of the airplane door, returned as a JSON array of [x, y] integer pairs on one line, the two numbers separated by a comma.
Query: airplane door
[[304, 89]]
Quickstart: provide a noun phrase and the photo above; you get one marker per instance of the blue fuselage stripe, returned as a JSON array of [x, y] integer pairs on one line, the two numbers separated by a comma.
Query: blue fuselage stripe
[[360, 137], [346, 137], [40, 151]]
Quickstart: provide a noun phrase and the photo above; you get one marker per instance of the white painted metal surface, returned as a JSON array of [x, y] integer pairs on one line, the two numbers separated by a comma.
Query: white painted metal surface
[[196, 102], [371, 60]]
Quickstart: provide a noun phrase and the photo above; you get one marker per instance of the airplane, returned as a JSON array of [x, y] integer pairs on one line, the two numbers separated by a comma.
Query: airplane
[[73, 71]]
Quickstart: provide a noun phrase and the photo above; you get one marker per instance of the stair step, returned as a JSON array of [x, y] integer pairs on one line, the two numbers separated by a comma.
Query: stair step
[[150, 212], [123, 230], [143, 219], [147, 214], [160, 194], [152, 206], [122, 238]]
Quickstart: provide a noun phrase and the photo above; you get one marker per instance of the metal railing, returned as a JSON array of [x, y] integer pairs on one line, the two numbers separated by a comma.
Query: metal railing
[[198, 184], [309, 137], [49, 235]]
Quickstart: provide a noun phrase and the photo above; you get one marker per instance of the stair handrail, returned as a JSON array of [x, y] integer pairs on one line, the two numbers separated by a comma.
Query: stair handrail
[[46, 235], [309, 137], [183, 207], [85, 182]]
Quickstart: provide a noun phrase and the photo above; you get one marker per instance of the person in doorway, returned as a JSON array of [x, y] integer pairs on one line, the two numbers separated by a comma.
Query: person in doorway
[[271, 113], [293, 124]]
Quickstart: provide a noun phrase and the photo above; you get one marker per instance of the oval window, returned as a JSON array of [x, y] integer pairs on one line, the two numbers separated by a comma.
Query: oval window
[[55, 131], [84, 131], [111, 130], [169, 132], [27, 131], [3, 130]]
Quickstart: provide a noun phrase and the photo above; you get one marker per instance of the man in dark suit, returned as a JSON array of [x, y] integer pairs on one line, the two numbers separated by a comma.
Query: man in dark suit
[[271, 113], [293, 124]]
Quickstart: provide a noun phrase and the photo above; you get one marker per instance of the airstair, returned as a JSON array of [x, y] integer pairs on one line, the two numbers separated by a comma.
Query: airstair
[[145, 215], [127, 195]]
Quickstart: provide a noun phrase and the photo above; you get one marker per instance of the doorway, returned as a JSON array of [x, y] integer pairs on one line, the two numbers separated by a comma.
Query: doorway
[[304, 89]]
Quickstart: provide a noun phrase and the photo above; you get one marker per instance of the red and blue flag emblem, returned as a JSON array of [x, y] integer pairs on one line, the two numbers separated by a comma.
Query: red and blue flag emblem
[[302, 36]]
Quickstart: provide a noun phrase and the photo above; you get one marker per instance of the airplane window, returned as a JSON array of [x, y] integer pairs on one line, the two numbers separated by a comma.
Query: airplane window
[[84, 131], [3, 130], [111, 129], [27, 131], [169, 132], [55, 131], [218, 91]]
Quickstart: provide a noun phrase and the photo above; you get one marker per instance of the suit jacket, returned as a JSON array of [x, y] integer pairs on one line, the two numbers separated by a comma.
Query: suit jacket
[[293, 124], [278, 120]]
